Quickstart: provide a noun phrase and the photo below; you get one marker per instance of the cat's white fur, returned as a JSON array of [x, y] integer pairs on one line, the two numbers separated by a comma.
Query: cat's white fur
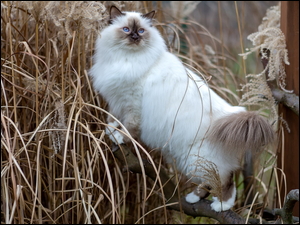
[[149, 89]]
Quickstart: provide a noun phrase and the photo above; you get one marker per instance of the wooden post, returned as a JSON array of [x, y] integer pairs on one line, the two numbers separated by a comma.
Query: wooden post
[[289, 161]]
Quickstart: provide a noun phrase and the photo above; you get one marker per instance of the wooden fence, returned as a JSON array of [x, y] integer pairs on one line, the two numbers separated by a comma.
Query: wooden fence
[[289, 161]]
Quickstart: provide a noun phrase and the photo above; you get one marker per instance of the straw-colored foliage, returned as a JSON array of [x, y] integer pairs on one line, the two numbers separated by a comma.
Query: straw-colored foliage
[[269, 36], [56, 162]]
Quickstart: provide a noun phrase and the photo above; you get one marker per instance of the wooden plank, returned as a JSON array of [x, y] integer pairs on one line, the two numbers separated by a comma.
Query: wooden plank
[[289, 160]]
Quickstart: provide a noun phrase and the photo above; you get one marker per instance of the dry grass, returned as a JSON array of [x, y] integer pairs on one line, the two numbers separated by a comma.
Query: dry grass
[[56, 163]]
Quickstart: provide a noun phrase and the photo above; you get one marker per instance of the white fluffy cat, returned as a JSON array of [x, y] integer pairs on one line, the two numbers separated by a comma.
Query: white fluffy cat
[[169, 107]]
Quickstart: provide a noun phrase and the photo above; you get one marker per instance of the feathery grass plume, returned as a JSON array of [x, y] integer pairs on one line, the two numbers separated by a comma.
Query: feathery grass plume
[[210, 177], [269, 36], [58, 136], [273, 39], [72, 15], [35, 8]]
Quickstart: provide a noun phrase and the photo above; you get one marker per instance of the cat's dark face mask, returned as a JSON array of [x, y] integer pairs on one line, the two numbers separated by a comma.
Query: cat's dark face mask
[[136, 33]]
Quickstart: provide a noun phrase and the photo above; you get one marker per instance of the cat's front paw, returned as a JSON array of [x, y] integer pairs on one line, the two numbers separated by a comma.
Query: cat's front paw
[[113, 134], [192, 198], [116, 137], [221, 206]]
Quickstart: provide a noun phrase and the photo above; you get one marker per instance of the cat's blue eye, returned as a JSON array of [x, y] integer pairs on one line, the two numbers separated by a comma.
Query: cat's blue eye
[[141, 30], [126, 29]]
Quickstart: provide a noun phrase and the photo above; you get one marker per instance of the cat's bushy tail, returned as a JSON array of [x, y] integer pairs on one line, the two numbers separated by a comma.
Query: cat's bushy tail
[[240, 132]]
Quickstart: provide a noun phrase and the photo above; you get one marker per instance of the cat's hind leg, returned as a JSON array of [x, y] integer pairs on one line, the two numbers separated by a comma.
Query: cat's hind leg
[[228, 197], [197, 194]]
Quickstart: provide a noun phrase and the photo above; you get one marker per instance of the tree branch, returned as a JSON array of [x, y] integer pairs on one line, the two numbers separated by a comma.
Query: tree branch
[[286, 211], [201, 208]]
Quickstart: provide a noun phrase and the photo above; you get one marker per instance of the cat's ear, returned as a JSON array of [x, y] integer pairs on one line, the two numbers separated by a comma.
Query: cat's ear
[[114, 12], [149, 15]]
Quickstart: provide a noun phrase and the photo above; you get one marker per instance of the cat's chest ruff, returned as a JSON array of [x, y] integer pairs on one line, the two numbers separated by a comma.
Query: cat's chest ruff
[[132, 68]]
